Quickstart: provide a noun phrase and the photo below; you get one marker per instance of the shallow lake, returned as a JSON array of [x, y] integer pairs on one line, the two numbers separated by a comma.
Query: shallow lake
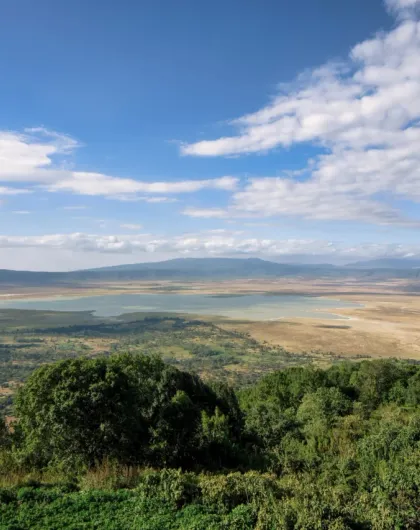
[[252, 307]]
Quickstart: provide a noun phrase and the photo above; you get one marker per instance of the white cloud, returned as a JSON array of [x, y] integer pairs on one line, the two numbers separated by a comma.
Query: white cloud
[[36, 157], [63, 143], [130, 226], [311, 200], [212, 243], [98, 184], [143, 198], [209, 213], [364, 114], [158, 199], [402, 7], [402, 4], [272, 197], [21, 212], [30, 156], [74, 208], [12, 191]]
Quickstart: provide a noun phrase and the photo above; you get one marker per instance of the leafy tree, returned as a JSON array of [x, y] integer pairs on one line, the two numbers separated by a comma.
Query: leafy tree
[[285, 388], [80, 409], [374, 380], [269, 424], [326, 404], [134, 409]]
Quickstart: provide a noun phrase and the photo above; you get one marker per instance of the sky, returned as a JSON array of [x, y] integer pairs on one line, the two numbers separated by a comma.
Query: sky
[[142, 131]]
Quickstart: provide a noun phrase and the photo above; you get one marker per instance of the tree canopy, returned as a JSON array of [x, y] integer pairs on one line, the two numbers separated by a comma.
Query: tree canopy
[[135, 409]]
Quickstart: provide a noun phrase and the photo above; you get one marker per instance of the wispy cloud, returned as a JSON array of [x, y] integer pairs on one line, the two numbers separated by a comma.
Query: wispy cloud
[[104, 185], [274, 197], [36, 157], [13, 191], [130, 226], [127, 197], [156, 200], [363, 113], [209, 213]]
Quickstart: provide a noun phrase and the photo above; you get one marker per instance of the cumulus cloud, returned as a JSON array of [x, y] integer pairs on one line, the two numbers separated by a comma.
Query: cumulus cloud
[[364, 116], [212, 243], [37, 156]]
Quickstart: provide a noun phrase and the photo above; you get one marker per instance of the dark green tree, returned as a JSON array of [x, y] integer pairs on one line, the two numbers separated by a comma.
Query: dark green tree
[[83, 409], [134, 409]]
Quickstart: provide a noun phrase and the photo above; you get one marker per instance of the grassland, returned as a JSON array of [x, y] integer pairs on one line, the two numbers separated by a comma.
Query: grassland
[[387, 325]]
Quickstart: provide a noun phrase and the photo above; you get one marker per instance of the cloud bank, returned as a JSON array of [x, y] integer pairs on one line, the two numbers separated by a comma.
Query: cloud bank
[[212, 243]]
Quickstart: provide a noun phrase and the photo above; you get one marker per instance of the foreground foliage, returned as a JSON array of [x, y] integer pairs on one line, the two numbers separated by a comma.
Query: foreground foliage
[[303, 448]]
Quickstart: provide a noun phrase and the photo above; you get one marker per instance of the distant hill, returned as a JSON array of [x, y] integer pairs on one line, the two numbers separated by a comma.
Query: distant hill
[[387, 263], [184, 269], [193, 264], [214, 266], [23, 277]]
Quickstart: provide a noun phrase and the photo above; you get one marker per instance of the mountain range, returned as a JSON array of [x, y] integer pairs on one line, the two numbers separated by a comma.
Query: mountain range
[[218, 268]]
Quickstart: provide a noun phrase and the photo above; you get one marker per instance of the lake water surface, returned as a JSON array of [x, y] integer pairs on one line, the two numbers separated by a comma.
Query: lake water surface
[[252, 306]]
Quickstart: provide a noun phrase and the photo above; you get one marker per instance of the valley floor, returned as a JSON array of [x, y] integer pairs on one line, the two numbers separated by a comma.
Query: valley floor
[[387, 324]]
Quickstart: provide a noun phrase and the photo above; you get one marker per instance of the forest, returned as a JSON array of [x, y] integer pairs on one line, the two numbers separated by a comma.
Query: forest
[[128, 441]]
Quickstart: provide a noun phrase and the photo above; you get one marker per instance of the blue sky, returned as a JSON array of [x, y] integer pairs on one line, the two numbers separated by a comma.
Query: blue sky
[[139, 131]]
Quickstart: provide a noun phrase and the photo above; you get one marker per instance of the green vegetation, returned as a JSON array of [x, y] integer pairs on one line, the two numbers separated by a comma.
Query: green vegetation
[[134, 409], [29, 339], [127, 441]]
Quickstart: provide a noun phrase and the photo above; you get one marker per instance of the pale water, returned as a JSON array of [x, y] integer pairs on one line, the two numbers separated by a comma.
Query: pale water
[[252, 307]]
